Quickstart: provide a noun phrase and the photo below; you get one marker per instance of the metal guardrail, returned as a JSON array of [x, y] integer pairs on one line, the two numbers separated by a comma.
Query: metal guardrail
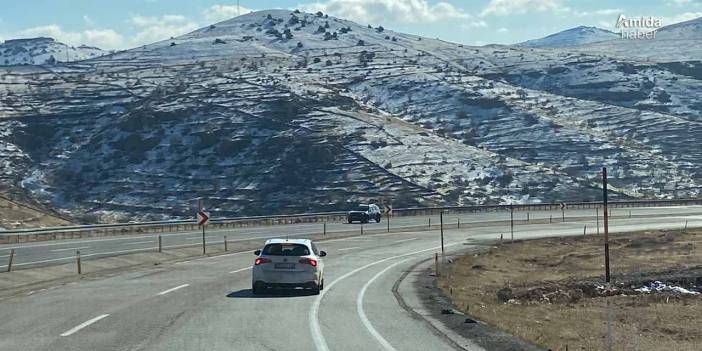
[[50, 233]]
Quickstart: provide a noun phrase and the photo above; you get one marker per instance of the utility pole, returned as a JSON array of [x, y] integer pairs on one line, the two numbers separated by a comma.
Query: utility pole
[[606, 223]]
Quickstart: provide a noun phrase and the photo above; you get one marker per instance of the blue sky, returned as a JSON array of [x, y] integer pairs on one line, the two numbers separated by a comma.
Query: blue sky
[[127, 23]]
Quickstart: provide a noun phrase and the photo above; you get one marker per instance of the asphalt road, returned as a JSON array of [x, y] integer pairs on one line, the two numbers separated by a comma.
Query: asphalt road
[[207, 304], [63, 251]]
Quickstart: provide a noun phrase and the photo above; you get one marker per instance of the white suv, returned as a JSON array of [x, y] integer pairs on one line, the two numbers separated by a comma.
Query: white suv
[[288, 263]]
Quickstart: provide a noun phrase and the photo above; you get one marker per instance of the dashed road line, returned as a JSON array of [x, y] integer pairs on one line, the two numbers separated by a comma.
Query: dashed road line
[[84, 324], [403, 240], [350, 248], [71, 249], [240, 270], [173, 289]]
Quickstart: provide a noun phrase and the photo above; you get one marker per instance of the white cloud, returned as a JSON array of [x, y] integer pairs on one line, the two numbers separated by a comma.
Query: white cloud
[[102, 38], [89, 21], [607, 12], [508, 7], [474, 24], [152, 29], [502, 30], [374, 11], [217, 13]]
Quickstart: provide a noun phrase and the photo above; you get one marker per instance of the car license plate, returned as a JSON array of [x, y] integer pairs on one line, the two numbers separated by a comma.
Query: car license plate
[[284, 266]]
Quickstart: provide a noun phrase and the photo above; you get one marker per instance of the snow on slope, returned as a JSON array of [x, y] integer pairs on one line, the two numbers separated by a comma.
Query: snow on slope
[[263, 110], [691, 29], [40, 51], [571, 37]]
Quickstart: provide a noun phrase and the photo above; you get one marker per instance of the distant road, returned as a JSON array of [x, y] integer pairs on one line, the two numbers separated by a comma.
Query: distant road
[[63, 251]]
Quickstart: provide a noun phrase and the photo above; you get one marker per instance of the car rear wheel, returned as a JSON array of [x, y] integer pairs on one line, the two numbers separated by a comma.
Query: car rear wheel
[[377, 219], [257, 288], [315, 289], [350, 221]]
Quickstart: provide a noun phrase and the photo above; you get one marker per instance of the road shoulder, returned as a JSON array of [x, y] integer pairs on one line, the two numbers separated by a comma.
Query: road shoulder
[[416, 292]]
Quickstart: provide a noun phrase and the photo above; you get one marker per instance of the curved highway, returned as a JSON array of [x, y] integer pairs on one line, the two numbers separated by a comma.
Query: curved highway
[[207, 304]]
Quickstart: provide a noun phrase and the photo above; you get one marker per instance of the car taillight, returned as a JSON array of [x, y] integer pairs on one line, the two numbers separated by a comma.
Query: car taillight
[[261, 260], [309, 261]]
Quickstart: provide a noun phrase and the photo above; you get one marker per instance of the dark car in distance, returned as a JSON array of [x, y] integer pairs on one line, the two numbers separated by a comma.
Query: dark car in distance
[[364, 214]]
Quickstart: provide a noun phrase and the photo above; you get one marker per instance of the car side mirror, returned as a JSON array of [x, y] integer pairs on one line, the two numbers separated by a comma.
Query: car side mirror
[[322, 253], [257, 252]]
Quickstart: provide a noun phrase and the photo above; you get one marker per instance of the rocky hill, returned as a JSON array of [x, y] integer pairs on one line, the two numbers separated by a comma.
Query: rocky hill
[[43, 51], [280, 111]]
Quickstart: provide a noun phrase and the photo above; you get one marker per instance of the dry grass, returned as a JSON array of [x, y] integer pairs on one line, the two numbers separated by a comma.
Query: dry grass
[[13, 215], [548, 276]]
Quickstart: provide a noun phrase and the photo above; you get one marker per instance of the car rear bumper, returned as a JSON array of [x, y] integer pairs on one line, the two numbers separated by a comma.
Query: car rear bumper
[[357, 217], [294, 278]]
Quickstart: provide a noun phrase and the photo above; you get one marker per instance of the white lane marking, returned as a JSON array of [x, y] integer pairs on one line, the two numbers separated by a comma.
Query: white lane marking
[[362, 314], [350, 248], [173, 289], [319, 342], [140, 242], [403, 240], [240, 270], [200, 238], [71, 249], [84, 324], [365, 237]]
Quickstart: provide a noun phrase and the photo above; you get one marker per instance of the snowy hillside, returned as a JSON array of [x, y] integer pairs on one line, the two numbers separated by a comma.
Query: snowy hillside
[[571, 37], [691, 29], [40, 51], [280, 111]]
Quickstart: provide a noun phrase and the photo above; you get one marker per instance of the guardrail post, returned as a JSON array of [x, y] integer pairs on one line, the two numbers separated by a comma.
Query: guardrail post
[[160, 246], [429, 222], [550, 218], [225, 244], [458, 223], [584, 230], [436, 264], [12, 256], [528, 215], [325, 228], [80, 271], [361, 228], [684, 229], [629, 213], [511, 220]]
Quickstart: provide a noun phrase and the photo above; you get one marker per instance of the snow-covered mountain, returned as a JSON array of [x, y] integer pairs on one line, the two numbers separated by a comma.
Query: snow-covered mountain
[[571, 37], [280, 111], [691, 29], [40, 51]]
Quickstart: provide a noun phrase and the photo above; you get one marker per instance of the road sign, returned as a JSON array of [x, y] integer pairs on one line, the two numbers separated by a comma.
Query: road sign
[[202, 218], [388, 210], [563, 205]]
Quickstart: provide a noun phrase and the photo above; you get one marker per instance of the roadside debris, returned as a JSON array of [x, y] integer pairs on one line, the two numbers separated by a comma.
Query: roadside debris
[[658, 286]]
